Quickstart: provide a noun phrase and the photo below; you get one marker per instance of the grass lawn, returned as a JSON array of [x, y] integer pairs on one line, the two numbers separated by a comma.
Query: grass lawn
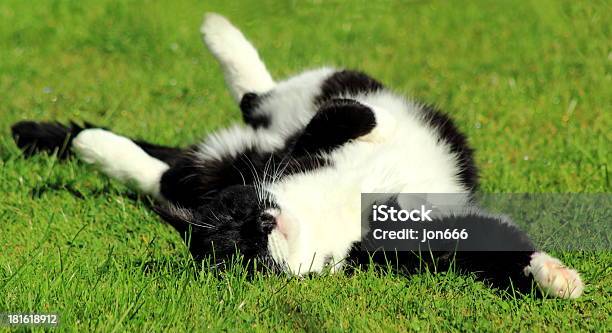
[[528, 81]]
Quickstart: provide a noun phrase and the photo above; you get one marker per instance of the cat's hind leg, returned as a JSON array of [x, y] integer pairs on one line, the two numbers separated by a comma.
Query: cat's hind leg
[[494, 250], [243, 69], [34, 137], [120, 158], [553, 277], [130, 161], [499, 252]]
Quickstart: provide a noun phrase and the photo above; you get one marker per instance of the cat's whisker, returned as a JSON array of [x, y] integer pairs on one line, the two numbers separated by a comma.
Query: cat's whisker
[[241, 175]]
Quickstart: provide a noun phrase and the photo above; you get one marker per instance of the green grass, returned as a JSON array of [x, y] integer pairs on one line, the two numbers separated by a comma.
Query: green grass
[[528, 81]]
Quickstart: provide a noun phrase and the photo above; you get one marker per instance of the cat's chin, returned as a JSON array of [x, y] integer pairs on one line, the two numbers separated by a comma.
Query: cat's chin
[[278, 247], [283, 239]]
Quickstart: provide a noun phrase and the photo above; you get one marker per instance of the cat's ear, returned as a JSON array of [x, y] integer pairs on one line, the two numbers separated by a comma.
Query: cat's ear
[[335, 123], [178, 217]]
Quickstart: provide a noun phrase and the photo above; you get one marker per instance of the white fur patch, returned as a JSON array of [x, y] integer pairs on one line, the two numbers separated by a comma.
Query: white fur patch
[[244, 71], [120, 158], [235, 140], [402, 156], [278, 247], [553, 277], [385, 126]]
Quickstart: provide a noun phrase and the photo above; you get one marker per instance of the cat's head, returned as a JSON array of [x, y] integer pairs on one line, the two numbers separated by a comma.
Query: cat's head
[[238, 219]]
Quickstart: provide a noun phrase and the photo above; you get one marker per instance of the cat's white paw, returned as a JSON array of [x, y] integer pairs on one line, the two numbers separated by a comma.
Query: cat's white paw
[[553, 277], [98, 146], [120, 158], [384, 129]]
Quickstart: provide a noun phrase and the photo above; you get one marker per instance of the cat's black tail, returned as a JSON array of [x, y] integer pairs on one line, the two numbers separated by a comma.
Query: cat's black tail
[[46, 137], [56, 138]]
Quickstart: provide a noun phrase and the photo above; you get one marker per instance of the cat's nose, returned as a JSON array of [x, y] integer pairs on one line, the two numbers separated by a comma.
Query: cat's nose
[[266, 223]]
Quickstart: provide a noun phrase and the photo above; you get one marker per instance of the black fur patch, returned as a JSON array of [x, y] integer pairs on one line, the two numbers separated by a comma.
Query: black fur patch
[[448, 132], [192, 181], [234, 220], [248, 104], [335, 123], [164, 153], [346, 82], [56, 138], [502, 266], [500, 269], [46, 137]]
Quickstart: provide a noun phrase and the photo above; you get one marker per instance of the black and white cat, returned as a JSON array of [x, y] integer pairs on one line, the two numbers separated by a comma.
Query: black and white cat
[[285, 188]]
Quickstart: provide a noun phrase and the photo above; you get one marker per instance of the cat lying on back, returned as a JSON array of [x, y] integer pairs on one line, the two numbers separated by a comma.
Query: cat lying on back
[[284, 188]]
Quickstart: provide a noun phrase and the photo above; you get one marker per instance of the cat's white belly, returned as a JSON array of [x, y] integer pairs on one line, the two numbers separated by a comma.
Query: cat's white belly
[[325, 205]]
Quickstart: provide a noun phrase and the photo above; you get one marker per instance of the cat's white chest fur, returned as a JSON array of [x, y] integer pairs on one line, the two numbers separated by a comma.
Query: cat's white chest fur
[[400, 155]]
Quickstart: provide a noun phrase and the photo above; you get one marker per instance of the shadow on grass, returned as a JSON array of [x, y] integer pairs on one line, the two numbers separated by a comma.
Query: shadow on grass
[[73, 189]]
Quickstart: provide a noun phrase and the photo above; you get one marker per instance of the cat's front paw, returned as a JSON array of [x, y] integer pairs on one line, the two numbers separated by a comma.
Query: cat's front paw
[[553, 277], [110, 152], [383, 130], [95, 146]]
